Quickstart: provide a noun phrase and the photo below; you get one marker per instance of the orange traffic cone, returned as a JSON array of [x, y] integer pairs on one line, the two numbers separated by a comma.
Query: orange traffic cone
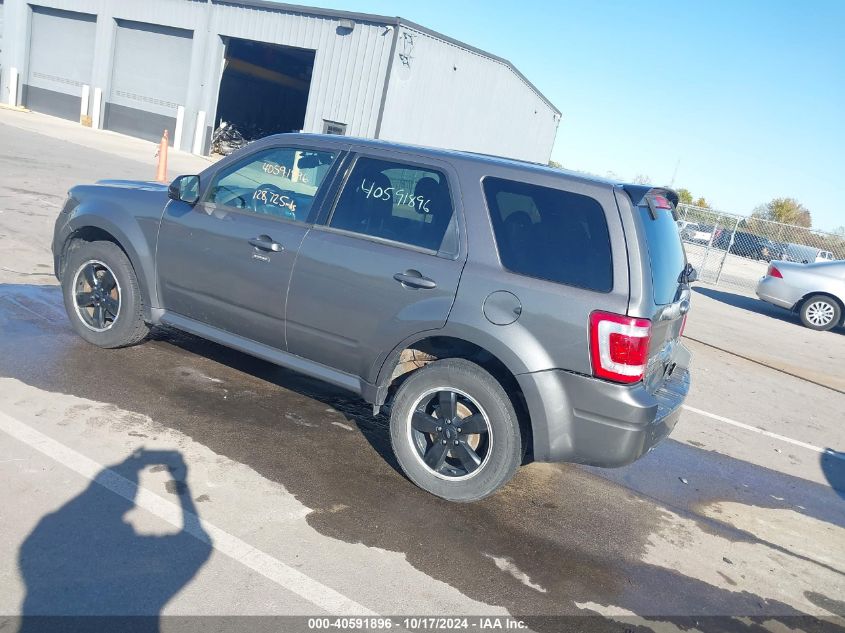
[[161, 170]]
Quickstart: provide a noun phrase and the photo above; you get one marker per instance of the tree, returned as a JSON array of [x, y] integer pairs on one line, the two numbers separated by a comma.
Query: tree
[[642, 179], [555, 164], [684, 196], [786, 211]]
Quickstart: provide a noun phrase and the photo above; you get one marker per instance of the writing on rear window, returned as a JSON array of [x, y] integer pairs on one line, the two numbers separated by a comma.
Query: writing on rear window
[[399, 196]]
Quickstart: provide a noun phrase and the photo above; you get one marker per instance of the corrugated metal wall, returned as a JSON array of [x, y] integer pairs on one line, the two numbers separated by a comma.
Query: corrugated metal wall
[[444, 95], [439, 93]]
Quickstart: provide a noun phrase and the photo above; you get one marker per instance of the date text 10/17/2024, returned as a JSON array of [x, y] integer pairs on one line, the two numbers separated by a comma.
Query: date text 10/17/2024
[[421, 623]]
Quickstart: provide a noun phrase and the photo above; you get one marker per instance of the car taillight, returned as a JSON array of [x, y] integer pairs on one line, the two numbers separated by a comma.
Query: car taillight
[[661, 202], [774, 272], [683, 325], [619, 346]]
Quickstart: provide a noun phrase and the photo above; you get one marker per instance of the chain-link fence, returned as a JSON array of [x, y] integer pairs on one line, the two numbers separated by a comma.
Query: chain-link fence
[[735, 250]]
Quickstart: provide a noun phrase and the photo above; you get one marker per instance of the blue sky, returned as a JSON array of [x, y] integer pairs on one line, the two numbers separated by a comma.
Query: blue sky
[[747, 97]]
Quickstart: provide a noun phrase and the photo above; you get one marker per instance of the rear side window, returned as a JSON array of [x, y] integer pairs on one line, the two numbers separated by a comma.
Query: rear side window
[[550, 234], [395, 201]]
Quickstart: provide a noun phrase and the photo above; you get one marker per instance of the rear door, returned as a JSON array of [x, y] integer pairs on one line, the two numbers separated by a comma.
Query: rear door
[[666, 293], [383, 266]]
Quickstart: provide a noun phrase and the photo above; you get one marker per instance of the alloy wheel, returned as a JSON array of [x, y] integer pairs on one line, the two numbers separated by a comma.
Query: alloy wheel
[[450, 433], [96, 295], [820, 313]]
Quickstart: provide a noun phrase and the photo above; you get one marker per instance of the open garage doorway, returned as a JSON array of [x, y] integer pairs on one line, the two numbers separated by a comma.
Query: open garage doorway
[[263, 90]]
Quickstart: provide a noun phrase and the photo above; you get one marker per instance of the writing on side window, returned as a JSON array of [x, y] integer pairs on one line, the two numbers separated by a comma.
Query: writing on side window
[[284, 172], [399, 196], [271, 197]]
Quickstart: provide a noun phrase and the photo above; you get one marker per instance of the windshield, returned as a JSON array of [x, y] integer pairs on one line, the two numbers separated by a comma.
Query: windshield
[[665, 252]]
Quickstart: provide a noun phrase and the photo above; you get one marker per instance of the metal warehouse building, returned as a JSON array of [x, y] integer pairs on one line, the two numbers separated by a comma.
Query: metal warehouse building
[[142, 66]]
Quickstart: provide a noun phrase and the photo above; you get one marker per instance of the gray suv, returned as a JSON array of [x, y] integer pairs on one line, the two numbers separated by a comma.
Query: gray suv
[[500, 311]]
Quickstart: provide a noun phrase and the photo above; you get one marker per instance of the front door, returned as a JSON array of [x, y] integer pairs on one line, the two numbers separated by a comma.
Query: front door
[[384, 267], [226, 261]]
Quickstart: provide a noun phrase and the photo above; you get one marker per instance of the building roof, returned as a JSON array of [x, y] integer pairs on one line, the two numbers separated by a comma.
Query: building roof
[[387, 21]]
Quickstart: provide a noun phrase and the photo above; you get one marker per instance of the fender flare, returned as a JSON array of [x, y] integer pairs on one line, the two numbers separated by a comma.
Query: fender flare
[[129, 237], [376, 392]]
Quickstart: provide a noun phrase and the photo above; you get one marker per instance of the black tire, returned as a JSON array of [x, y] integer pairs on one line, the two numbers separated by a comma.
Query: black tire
[[125, 328], [499, 447], [821, 313]]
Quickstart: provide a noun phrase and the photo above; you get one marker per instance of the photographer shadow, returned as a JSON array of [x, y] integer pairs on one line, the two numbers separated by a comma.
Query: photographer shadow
[[87, 569], [833, 467]]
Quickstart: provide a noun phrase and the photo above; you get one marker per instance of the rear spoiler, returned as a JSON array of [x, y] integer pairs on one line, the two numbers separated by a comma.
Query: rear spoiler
[[655, 198]]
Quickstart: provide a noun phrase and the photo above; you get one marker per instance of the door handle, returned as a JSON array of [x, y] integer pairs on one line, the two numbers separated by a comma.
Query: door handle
[[266, 243], [414, 279]]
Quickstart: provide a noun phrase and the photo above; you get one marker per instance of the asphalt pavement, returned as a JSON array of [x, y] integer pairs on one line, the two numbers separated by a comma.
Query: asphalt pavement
[[181, 478]]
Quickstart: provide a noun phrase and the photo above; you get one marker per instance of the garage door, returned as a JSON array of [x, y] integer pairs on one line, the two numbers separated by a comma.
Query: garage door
[[61, 56], [150, 79]]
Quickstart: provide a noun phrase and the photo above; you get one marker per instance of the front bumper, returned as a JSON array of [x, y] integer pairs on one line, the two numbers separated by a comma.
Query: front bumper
[[576, 418]]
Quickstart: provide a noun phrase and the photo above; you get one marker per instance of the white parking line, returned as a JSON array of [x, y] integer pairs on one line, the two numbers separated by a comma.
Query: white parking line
[[271, 568], [782, 438]]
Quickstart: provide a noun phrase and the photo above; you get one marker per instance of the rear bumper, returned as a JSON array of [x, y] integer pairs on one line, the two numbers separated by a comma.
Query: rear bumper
[[775, 291], [581, 419]]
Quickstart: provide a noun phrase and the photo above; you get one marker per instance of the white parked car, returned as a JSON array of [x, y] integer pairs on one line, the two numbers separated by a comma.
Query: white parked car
[[806, 254], [693, 232]]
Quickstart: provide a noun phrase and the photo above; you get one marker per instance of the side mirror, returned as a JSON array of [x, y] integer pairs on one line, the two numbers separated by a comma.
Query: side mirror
[[185, 189]]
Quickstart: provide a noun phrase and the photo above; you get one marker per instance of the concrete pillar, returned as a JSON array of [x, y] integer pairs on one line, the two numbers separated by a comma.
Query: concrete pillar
[[199, 133], [180, 124], [83, 105], [13, 86], [97, 108]]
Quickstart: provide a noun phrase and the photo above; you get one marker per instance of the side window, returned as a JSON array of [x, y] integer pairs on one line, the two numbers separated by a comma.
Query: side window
[[280, 182], [550, 234], [394, 201]]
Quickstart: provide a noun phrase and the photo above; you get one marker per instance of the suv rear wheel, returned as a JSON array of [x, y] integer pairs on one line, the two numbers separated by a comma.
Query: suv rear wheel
[[102, 297], [820, 312], [454, 431]]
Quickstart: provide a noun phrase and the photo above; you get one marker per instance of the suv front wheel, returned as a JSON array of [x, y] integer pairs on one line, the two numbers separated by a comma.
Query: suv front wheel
[[101, 295], [454, 431]]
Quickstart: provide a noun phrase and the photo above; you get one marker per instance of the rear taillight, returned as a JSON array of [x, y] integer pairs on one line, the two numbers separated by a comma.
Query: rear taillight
[[661, 202], [683, 325], [619, 346], [774, 272]]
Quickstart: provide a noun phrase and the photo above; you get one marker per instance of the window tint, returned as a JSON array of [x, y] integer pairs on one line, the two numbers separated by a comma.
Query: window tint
[[280, 182], [550, 234], [666, 253], [397, 202]]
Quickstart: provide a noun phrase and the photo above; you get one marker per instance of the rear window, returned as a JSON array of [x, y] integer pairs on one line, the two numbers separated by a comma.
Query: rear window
[[551, 234], [666, 253]]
